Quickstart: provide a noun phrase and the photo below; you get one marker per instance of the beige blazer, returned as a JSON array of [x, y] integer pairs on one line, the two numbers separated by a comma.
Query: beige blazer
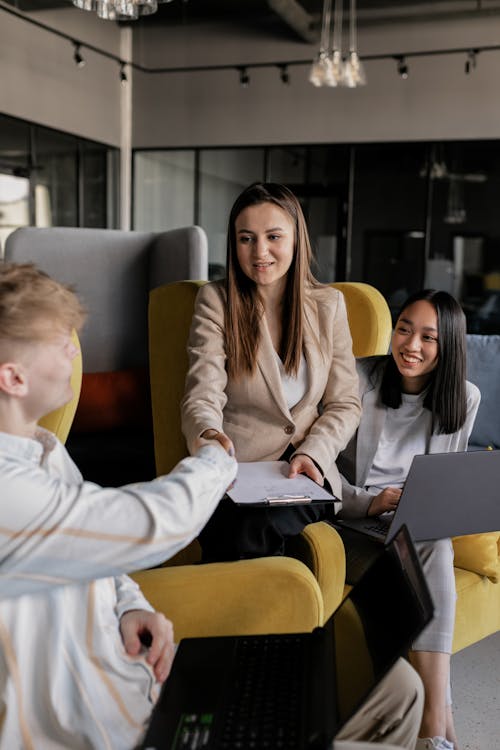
[[253, 411]]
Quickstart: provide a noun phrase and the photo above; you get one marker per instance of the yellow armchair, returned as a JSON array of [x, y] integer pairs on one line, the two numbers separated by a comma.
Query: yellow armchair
[[277, 594], [369, 318], [230, 587]]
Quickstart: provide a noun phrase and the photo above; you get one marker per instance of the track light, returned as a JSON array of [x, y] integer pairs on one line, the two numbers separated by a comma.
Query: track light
[[471, 61], [123, 75], [244, 78], [77, 56], [284, 74], [403, 69]]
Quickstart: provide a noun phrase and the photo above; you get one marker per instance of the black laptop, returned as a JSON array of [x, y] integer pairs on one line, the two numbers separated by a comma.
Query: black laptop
[[294, 692], [445, 495]]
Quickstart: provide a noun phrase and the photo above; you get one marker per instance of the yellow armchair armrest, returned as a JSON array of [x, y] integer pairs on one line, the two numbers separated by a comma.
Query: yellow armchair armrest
[[266, 595], [320, 547]]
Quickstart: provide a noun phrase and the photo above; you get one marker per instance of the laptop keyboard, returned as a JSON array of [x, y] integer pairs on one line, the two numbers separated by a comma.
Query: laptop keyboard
[[265, 706], [379, 525]]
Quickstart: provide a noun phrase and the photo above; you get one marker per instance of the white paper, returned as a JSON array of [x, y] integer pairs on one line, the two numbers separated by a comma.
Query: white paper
[[267, 481]]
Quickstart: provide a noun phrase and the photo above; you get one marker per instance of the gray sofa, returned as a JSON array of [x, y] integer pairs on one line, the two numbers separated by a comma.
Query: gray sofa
[[483, 369], [113, 272]]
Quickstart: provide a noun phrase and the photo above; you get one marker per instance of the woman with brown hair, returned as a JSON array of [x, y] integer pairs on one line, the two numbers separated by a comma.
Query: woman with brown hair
[[271, 373]]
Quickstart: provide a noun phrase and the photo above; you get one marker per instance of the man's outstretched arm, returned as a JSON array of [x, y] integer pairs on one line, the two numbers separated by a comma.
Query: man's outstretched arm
[[52, 532]]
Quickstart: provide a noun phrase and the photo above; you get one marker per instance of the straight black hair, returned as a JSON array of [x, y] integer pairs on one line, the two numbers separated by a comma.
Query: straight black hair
[[446, 398]]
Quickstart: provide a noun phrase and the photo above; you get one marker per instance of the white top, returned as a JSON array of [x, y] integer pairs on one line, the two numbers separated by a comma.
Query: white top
[[403, 436], [294, 387], [65, 679]]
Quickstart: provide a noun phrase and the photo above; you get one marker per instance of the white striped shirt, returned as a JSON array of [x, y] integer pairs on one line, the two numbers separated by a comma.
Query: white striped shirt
[[65, 679]]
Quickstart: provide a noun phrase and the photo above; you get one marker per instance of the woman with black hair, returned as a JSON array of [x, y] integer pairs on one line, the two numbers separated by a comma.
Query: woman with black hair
[[416, 401]]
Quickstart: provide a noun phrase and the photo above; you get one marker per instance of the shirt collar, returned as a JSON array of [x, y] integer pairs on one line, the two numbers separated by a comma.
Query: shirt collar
[[31, 449]]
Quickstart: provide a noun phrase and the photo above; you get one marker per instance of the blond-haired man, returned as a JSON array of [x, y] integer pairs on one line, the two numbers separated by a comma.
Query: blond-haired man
[[73, 671]]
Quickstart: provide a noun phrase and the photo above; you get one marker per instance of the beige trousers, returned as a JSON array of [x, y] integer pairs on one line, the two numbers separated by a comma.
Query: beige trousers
[[391, 716]]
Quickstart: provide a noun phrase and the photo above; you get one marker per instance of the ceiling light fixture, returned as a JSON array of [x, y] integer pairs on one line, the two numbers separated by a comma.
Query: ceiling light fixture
[[284, 74], [337, 69], [403, 70], [329, 67], [120, 10], [321, 68], [471, 61], [244, 78], [77, 55], [354, 72]]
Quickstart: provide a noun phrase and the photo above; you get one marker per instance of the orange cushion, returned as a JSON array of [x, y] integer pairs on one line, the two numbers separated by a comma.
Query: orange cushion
[[478, 553], [111, 400]]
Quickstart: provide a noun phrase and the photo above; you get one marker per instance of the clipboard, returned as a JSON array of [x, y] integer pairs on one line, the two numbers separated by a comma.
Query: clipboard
[[266, 483]]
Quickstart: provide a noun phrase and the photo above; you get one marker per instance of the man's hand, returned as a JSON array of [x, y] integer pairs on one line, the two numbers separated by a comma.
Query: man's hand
[[210, 435], [386, 500], [140, 628], [302, 464]]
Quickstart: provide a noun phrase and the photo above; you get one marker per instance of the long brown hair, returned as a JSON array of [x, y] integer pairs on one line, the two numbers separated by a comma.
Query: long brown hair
[[244, 309]]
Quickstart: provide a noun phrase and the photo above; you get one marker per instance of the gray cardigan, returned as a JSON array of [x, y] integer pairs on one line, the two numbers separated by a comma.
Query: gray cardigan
[[355, 461]]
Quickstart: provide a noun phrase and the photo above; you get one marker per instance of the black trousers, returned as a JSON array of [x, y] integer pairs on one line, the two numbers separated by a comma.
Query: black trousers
[[236, 532]]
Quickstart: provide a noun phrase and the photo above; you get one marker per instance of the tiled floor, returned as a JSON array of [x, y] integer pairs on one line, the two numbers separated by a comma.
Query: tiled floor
[[475, 674]]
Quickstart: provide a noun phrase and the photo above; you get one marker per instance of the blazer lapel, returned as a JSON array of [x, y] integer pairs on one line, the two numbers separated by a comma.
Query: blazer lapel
[[311, 354], [269, 369]]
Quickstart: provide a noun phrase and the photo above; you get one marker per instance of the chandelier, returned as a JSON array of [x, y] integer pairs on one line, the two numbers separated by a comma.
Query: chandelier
[[120, 10], [330, 68]]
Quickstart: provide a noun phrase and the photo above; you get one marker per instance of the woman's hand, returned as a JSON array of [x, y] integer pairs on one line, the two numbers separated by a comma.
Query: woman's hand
[[151, 630], [221, 438], [386, 500], [302, 464]]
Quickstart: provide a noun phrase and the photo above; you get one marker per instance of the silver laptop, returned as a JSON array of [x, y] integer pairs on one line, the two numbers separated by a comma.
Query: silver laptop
[[445, 494]]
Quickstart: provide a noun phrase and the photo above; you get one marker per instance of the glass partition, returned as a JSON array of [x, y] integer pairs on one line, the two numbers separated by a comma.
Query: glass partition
[[56, 178], [395, 215], [389, 218], [223, 174], [65, 180], [164, 190]]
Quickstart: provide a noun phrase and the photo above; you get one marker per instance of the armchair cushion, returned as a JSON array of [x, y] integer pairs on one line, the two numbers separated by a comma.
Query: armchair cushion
[[478, 553], [483, 362]]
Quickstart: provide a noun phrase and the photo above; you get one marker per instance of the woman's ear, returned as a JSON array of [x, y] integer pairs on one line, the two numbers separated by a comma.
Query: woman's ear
[[13, 381]]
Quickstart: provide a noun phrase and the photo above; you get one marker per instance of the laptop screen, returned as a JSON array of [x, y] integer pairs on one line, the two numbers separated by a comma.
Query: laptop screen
[[377, 622]]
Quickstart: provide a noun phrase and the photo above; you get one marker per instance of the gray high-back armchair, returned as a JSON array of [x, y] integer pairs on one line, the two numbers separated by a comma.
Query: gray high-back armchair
[[113, 272]]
